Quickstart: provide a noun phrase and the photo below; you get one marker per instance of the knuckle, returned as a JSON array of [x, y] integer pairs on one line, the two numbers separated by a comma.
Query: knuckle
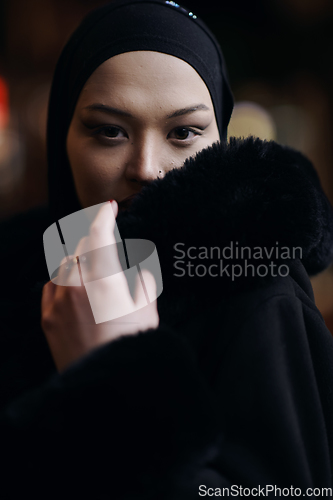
[[95, 229], [47, 284], [47, 322], [70, 299], [72, 294]]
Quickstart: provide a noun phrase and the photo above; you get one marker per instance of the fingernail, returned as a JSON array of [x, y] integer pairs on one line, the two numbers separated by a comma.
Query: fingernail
[[114, 203]]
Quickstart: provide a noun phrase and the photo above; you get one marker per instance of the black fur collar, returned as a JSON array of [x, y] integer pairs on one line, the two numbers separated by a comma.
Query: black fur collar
[[249, 192]]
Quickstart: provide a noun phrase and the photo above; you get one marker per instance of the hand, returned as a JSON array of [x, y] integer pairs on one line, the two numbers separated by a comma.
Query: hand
[[67, 316]]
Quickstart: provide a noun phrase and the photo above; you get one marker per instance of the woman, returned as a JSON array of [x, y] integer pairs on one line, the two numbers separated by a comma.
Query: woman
[[226, 382]]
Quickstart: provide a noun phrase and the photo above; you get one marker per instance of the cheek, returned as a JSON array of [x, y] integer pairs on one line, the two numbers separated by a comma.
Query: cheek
[[92, 165]]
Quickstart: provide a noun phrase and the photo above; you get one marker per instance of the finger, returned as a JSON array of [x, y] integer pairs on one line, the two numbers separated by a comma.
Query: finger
[[114, 206], [145, 288], [102, 228], [103, 249], [146, 307], [68, 274], [109, 297], [47, 295], [84, 258], [64, 268]]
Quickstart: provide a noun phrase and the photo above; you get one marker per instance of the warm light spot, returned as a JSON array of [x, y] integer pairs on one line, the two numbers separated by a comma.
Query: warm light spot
[[249, 118]]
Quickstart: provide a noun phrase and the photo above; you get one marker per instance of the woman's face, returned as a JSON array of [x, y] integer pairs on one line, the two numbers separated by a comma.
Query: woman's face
[[139, 115]]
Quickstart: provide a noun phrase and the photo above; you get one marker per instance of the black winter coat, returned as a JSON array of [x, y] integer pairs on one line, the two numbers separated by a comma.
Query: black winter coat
[[233, 389]]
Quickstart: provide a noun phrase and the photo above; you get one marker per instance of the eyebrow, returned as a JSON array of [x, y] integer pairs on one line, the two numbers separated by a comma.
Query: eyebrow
[[180, 112]]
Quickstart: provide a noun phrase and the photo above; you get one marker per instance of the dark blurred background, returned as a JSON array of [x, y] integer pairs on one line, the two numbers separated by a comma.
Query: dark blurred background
[[279, 55]]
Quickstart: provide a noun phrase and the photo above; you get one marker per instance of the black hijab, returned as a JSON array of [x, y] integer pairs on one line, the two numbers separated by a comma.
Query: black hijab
[[125, 26]]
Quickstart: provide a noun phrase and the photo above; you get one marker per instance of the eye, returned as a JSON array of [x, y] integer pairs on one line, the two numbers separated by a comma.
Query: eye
[[110, 131], [183, 133]]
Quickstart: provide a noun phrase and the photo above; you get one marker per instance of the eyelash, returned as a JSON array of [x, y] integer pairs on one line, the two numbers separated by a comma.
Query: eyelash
[[108, 127]]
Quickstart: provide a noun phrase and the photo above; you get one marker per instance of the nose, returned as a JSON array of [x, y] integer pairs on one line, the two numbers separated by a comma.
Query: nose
[[145, 163]]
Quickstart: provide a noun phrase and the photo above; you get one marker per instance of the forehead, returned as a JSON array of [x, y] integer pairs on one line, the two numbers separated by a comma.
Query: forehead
[[146, 75]]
